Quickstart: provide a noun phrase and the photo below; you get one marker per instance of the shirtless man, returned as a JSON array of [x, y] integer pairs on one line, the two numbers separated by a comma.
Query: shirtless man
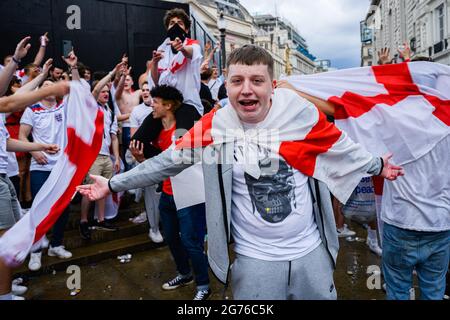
[[126, 99]]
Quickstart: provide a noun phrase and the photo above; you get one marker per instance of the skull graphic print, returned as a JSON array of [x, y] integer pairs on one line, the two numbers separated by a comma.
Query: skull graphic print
[[273, 194]]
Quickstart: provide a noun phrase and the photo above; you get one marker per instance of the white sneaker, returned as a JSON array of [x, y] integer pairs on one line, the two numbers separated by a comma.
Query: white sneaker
[[17, 298], [140, 218], [156, 237], [59, 252], [17, 281], [18, 290], [35, 261], [374, 247], [345, 232]]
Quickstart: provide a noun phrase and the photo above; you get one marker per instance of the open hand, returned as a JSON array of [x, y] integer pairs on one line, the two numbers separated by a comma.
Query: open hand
[[390, 171], [384, 56], [22, 48], [98, 190], [137, 150], [46, 67], [405, 52]]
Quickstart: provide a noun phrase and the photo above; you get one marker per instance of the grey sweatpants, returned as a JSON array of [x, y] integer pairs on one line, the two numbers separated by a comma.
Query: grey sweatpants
[[307, 278], [151, 199], [9, 205]]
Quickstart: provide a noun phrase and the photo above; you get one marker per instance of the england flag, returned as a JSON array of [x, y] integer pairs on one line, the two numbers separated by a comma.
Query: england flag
[[84, 139]]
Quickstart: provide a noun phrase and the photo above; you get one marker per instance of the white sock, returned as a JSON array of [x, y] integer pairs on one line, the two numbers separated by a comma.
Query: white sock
[[5, 297]]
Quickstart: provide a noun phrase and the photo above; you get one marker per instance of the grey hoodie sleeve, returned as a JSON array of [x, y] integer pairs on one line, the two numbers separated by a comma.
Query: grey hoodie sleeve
[[153, 171], [376, 166]]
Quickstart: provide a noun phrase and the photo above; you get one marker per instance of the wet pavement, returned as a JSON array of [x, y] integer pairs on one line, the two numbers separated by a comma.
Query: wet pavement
[[142, 277]]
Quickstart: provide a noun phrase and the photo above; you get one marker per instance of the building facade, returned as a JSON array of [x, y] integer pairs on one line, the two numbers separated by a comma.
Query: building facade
[[422, 24], [288, 47]]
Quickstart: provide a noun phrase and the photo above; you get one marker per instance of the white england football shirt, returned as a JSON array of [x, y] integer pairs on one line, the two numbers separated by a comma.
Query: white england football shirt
[[139, 114], [109, 127], [182, 73], [49, 127]]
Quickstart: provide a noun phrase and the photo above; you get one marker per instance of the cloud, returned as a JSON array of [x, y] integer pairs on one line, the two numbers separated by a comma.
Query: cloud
[[330, 27]]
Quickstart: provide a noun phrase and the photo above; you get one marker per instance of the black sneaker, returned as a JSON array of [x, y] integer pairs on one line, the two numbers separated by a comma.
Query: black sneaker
[[85, 232], [106, 226], [177, 282], [202, 294]]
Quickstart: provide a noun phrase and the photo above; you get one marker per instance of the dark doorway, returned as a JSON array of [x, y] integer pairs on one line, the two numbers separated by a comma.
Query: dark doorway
[[109, 28]]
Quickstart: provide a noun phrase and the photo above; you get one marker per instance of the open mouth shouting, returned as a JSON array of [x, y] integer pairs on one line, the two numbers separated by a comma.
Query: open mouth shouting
[[248, 104]]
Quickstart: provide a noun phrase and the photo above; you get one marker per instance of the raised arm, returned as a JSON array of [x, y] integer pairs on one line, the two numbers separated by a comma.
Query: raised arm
[[208, 56], [72, 62], [121, 86], [19, 102], [325, 106], [187, 51], [144, 77], [43, 47], [384, 56], [405, 52], [9, 70], [157, 56], [102, 83]]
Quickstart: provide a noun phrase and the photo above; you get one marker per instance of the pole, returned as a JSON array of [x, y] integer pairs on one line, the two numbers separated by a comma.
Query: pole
[[223, 48]]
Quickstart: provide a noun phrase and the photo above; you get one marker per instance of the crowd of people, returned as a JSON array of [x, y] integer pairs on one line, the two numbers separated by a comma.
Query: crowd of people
[[283, 222]]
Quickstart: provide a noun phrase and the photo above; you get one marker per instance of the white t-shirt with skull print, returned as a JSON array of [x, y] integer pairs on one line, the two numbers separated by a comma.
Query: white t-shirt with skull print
[[272, 217]]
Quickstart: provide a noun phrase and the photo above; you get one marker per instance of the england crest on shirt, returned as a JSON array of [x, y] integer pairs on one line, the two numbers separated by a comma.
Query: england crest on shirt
[[58, 117]]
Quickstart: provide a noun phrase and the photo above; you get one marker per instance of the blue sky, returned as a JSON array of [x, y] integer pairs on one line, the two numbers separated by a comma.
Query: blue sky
[[330, 27]]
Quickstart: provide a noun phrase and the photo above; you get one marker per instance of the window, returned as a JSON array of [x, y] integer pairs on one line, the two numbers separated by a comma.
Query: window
[[440, 22]]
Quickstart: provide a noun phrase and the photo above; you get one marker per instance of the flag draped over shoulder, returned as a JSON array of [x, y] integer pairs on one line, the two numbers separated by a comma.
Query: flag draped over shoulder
[[84, 122], [400, 108], [294, 130]]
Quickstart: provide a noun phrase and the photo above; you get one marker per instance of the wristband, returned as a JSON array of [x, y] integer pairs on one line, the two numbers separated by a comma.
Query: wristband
[[382, 166], [43, 42], [109, 186], [15, 60]]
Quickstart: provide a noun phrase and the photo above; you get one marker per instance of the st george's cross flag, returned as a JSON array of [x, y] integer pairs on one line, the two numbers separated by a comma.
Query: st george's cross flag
[[404, 109], [401, 108], [294, 131], [84, 123]]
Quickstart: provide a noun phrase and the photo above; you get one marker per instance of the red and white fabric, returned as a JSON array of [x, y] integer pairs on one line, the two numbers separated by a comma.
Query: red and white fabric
[[404, 109], [84, 139], [182, 73], [294, 129]]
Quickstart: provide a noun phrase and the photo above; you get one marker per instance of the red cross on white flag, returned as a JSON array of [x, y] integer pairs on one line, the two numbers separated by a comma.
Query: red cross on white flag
[[400, 108]]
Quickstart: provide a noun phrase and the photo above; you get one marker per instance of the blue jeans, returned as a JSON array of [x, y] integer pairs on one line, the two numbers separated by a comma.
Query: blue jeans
[[37, 180], [406, 250], [182, 235]]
